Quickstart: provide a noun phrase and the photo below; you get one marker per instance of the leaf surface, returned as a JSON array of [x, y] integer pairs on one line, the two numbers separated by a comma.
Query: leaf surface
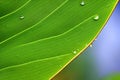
[[40, 37]]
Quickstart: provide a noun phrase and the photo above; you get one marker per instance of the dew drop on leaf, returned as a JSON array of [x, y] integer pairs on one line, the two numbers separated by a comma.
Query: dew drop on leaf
[[82, 3], [74, 52], [22, 17], [91, 45], [96, 17]]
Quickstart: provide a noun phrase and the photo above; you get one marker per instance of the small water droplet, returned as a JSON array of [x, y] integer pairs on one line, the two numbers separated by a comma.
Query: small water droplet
[[91, 45], [96, 17], [74, 52], [22, 17], [95, 39], [82, 3]]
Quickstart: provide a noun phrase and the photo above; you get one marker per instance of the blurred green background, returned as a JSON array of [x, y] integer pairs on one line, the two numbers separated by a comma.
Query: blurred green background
[[102, 60]]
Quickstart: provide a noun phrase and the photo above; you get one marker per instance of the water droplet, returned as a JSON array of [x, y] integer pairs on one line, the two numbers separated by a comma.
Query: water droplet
[[22, 17], [82, 3], [96, 17], [91, 45], [95, 39], [74, 52]]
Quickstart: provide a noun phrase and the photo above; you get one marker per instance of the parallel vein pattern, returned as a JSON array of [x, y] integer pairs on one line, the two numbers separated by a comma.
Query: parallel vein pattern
[[39, 45], [36, 23], [15, 10]]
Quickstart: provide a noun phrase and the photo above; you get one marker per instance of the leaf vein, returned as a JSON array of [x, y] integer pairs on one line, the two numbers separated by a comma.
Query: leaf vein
[[57, 35], [36, 23], [15, 10], [31, 62]]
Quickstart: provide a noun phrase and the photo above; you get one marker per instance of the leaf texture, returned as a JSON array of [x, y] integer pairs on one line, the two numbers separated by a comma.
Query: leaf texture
[[50, 35]]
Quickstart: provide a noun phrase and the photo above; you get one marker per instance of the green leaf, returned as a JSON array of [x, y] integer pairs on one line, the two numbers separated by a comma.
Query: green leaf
[[9, 7], [40, 37]]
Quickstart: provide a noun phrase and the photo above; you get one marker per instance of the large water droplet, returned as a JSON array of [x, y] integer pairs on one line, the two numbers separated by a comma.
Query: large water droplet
[[96, 17], [22, 17], [82, 3]]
